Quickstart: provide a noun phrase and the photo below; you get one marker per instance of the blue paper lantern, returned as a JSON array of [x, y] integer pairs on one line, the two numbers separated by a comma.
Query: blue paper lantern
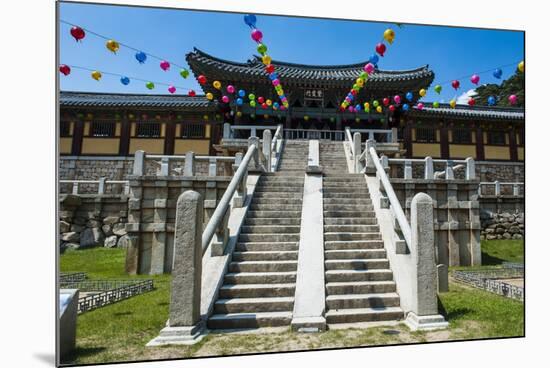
[[239, 101], [405, 107], [141, 57], [125, 80], [491, 100], [241, 93], [409, 96], [250, 20], [497, 73]]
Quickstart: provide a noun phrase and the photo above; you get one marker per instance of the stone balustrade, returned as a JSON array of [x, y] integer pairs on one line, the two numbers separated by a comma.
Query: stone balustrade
[[118, 186]]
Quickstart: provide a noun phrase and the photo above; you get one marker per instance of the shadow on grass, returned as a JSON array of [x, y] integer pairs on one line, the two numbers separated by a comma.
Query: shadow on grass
[[79, 352], [489, 260]]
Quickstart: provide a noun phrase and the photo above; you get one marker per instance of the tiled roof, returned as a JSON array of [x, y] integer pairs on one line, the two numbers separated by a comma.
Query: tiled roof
[[199, 61], [87, 99], [461, 111]]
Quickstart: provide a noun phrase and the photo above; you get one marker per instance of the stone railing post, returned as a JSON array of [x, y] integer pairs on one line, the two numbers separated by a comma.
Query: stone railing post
[[266, 149], [75, 188], [185, 324], [407, 171], [189, 166], [256, 156], [384, 161], [165, 166], [357, 151], [497, 188], [139, 162], [370, 168], [515, 189], [212, 167], [449, 172], [470, 169], [428, 168], [253, 132], [393, 135], [101, 186], [226, 131], [221, 237], [423, 313], [240, 193]]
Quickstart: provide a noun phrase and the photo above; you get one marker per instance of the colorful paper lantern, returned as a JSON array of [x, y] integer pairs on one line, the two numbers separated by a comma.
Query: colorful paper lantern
[[78, 33]]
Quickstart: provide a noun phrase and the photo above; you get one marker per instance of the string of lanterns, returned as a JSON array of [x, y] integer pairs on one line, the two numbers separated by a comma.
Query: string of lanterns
[[474, 79], [257, 36], [79, 33], [368, 69], [125, 80]]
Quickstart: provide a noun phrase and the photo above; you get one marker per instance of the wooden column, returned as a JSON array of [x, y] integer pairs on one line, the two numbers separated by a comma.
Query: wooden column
[[513, 144], [78, 133], [444, 140], [169, 136], [124, 136], [480, 153], [407, 138]]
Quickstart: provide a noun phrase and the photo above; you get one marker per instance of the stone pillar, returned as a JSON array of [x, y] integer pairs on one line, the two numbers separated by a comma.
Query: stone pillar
[[470, 169], [453, 217], [428, 168], [442, 278], [266, 149], [158, 246], [240, 194], [370, 168], [357, 151], [449, 173], [226, 130], [407, 171], [139, 163], [424, 313], [221, 237], [255, 156], [212, 167], [189, 168], [185, 324], [133, 225]]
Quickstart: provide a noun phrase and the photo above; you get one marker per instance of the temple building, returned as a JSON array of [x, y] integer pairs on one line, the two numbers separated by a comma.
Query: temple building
[[116, 125]]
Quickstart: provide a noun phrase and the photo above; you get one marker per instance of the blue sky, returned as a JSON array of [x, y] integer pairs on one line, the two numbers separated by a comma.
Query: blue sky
[[450, 52]]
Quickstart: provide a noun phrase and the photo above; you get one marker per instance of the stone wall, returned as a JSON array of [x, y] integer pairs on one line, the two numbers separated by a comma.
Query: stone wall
[[87, 221], [502, 226], [152, 213], [456, 216]]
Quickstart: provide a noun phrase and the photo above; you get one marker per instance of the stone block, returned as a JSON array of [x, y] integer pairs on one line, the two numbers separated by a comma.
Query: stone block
[[70, 237], [132, 227], [134, 204], [122, 242], [107, 230], [77, 228], [79, 220], [160, 203], [93, 223], [119, 229], [111, 220], [91, 237], [110, 241]]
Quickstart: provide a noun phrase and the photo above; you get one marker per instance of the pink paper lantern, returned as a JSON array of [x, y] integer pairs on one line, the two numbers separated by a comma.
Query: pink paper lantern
[[164, 65], [369, 68], [172, 89], [225, 99], [257, 35]]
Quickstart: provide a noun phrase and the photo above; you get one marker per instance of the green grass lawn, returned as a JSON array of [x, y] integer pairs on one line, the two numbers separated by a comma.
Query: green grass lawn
[[494, 252], [120, 331]]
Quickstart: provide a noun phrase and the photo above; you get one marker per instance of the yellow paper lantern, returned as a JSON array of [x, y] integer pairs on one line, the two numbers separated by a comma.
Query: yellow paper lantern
[[96, 75], [379, 109], [422, 92], [266, 59], [521, 66], [452, 103], [209, 96], [112, 45], [217, 84]]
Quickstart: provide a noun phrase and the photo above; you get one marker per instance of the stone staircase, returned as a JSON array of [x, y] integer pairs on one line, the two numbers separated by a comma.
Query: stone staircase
[[359, 282], [258, 289]]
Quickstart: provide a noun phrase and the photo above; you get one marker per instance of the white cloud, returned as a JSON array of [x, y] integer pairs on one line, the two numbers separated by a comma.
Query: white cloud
[[463, 98]]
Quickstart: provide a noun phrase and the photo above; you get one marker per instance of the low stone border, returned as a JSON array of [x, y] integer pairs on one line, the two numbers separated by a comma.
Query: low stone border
[[98, 293], [490, 280]]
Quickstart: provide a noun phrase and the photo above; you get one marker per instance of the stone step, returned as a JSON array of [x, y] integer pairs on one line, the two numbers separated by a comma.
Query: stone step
[[347, 207], [360, 287], [290, 173], [355, 254], [347, 214], [254, 305], [275, 238], [276, 207], [249, 320], [272, 221], [358, 275], [228, 291], [272, 255], [356, 264], [330, 194], [368, 218], [352, 236], [351, 228], [287, 201], [270, 229], [359, 200], [279, 195], [354, 244], [260, 277], [348, 301], [266, 246], [282, 188], [364, 315], [271, 214], [263, 266], [280, 180]]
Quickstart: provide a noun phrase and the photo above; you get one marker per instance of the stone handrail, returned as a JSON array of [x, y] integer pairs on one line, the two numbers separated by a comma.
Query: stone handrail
[[497, 185], [101, 184], [333, 135], [349, 140], [229, 129], [429, 173], [391, 134], [412, 260], [395, 206], [218, 220]]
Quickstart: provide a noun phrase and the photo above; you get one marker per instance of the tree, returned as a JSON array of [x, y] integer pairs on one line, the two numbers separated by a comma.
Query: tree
[[515, 85]]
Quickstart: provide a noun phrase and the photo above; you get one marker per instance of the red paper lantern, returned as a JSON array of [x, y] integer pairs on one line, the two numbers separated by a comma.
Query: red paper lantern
[[78, 33], [192, 93], [270, 68], [386, 101], [202, 79], [471, 101], [65, 69], [381, 49]]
